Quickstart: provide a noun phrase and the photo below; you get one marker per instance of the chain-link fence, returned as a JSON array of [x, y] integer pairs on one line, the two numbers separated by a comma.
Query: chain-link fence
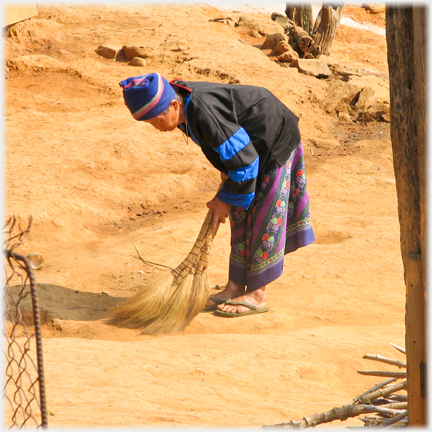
[[24, 385]]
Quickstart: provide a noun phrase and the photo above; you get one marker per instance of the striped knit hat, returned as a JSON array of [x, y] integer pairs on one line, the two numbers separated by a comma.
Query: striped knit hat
[[147, 96]]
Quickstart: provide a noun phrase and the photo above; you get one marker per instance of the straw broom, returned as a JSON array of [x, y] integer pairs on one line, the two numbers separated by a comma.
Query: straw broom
[[170, 302]]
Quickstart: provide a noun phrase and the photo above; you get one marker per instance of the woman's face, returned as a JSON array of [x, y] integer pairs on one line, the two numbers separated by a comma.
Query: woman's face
[[167, 121]]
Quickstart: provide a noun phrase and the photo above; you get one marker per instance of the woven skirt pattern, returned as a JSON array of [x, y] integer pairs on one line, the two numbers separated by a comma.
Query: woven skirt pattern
[[277, 223]]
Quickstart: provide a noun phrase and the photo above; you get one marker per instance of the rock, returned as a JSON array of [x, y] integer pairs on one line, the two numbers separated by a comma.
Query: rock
[[386, 118], [132, 51], [107, 52], [374, 8], [273, 39], [288, 54], [366, 99], [353, 73], [325, 143], [263, 26], [275, 15], [368, 116], [287, 57], [138, 61], [313, 67], [344, 116], [283, 47], [339, 96], [121, 56], [283, 21], [342, 71], [378, 84], [228, 21], [376, 112], [384, 107]]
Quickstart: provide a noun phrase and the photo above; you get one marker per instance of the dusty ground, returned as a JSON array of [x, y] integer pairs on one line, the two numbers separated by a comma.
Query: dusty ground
[[95, 181]]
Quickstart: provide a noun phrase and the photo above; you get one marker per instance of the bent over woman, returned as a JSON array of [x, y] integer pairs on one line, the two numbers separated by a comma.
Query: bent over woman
[[253, 139]]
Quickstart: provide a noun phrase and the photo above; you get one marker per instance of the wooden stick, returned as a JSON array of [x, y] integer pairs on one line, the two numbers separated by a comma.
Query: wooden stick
[[396, 410], [304, 41], [358, 427], [375, 387], [367, 420], [380, 410], [149, 262], [384, 392], [384, 374], [396, 405], [341, 413], [398, 397], [385, 360], [399, 417], [402, 350], [373, 417]]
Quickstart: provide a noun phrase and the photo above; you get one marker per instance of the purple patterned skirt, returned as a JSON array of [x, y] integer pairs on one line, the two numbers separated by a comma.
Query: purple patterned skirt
[[277, 223]]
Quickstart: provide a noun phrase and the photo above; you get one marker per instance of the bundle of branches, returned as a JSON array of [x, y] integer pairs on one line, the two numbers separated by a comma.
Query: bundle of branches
[[299, 39], [170, 302], [305, 43], [308, 39], [383, 405]]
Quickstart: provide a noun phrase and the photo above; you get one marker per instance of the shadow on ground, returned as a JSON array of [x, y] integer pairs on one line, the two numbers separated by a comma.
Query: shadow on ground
[[58, 303]]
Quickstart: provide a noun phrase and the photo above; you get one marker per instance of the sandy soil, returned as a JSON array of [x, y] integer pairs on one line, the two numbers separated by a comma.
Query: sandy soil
[[95, 181]]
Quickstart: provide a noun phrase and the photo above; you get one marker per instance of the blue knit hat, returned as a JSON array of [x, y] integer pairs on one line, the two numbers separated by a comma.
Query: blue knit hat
[[147, 96]]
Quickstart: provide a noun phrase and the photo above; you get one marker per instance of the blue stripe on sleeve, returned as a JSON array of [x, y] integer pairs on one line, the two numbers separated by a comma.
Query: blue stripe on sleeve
[[233, 145], [245, 173], [237, 200]]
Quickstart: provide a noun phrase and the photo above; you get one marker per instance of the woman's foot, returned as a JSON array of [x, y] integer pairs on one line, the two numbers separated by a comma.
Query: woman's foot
[[256, 298], [230, 291]]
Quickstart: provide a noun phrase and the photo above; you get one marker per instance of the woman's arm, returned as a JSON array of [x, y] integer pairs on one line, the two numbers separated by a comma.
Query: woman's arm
[[220, 208], [220, 211]]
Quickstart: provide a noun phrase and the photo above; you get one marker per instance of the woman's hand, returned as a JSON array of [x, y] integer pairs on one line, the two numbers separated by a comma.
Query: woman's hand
[[220, 212]]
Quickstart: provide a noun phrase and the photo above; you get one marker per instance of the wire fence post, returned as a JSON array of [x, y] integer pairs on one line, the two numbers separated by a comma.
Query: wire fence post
[[24, 385]]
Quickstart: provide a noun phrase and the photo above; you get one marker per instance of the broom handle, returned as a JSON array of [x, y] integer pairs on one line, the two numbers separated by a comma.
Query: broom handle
[[201, 247], [206, 233], [204, 240], [207, 242], [205, 250]]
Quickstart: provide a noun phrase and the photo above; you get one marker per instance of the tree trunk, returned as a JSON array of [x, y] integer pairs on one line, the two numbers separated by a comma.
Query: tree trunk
[[301, 14], [325, 27], [406, 53]]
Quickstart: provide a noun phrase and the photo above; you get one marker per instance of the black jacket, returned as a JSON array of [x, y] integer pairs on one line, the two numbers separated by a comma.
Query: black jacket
[[243, 130]]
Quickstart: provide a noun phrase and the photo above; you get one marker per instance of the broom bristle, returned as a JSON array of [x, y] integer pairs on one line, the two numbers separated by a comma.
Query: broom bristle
[[144, 306], [200, 291], [174, 316], [170, 302]]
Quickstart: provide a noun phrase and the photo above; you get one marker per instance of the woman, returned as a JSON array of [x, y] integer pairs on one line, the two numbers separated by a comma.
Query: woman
[[253, 139]]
